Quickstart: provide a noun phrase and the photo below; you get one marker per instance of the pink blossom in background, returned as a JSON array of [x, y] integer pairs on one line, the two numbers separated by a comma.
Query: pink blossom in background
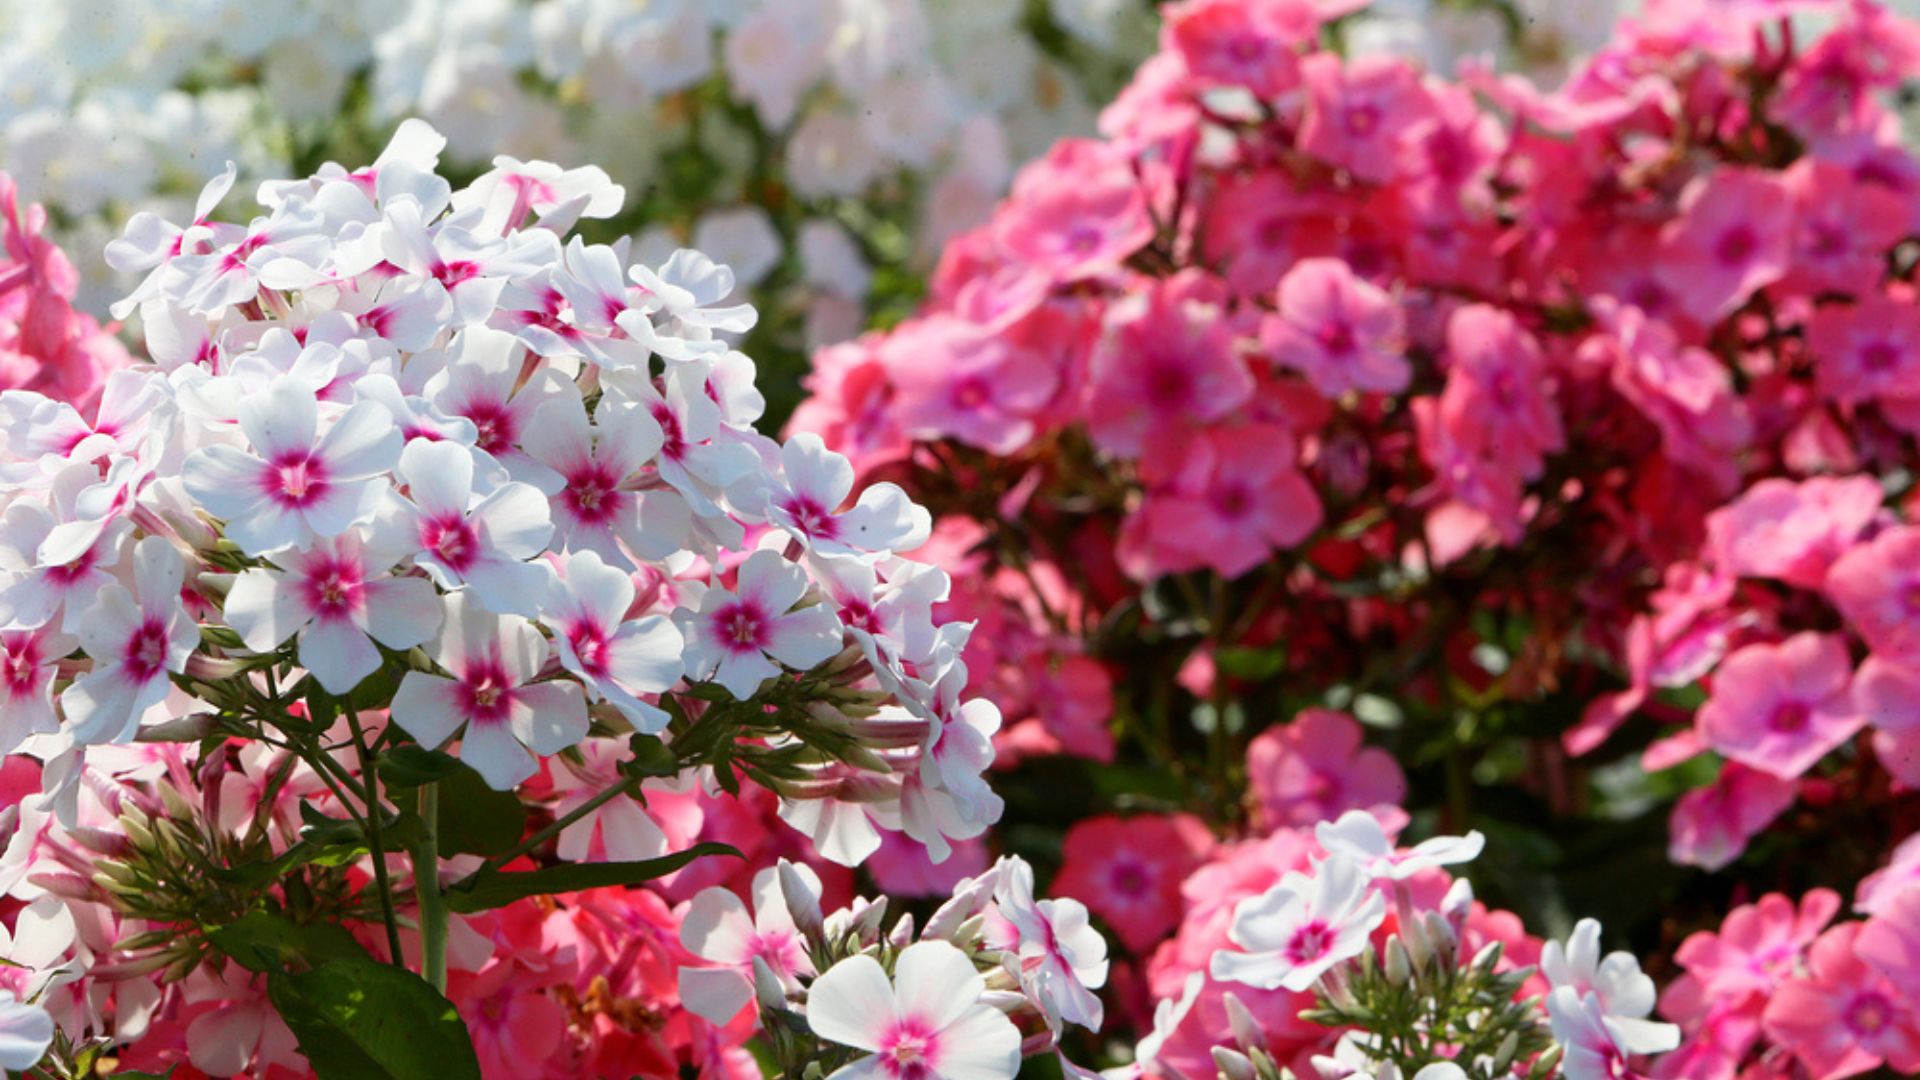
[[1129, 871], [1780, 708], [1316, 768], [45, 345], [1793, 532], [1841, 1016], [1877, 587], [1712, 825], [1341, 332]]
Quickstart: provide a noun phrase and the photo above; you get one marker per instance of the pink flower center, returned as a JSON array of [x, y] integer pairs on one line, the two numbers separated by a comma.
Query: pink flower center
[[1363, 120], [673, 444], [453, 273], [1337, 338], [486, 693], [908, 1050], [64, 575], [1310, 942], [1880, 356], [1790, 717], [334, 588], [1870, 1013], [593, 493], [1169, 383], [452, 541], [21, 668], [146, 650], [811, 518], [970, 393], [741, 627], [494, 425], [296, 480], [1910, 598], [1736, 245], [1129, 879], [590, 646], [1232, 500], [1083, 239]]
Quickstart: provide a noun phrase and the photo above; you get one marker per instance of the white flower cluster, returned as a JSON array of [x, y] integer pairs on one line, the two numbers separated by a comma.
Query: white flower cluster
[[410, 443], [94, 118], [991, 955]]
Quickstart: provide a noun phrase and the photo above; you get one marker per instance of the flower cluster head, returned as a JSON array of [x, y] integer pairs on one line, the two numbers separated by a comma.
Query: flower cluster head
[[1381, 944], [992, 977], [412, 472], [1327, 376]]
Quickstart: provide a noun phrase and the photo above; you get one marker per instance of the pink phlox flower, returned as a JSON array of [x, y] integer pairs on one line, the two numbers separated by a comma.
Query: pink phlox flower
[[948, 378], [1317, 768], [1841, 1016], [1733, 237], [1758, 944], [1781, 708], [1710, 826], [1792, 531], [1227, 498], [1358, 111], [1128, 871], [1866, 350], [1876, 586], [1343, 333], [1079, 212], [1252, 44]]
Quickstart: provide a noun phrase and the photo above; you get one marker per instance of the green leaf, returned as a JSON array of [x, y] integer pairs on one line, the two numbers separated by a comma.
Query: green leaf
[[651, 757], [477, 820], [264, 941], [489, 889], [359, 1019], [410, 766]]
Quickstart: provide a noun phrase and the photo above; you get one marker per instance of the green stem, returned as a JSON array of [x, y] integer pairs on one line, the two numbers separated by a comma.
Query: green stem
[[426, 886], [374, 838], [625, 786]]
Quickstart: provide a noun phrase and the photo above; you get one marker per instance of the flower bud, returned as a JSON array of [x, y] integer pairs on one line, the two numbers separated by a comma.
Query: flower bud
[[803, 902], [767, 987], [1233, 1064], [1246, 1030], [1399, 965]]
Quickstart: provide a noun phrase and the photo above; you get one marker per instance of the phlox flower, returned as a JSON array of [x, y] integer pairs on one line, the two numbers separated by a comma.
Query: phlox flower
[[1890, 941], [136, 640], [1888, 697], [26, 1031], [1758, 944], [340, 598], [1129, 871], [282, 249], [683, 306], [1341, 332], [616, 658], [1625, 993], [1233, 496], [489, 694], [28, 660], [478, 380], [1358, 836], [951, 378], [1734, 236], [1316, 768], [927, 1023], [717, 928], [479, 539], [56, 556], [1792, 531], [805, 503], [1062, 958], [1594, 1048], [740, 637], [47, 433], [1843, 228], [1865, 350], [513, 188], [665, 816], [1254, 45], [1880, 888], [1711, 825], [1078, 212], [1167, 364], [1295, 932], [298, 484], [1358, 110], [584, 471], [1841, 1016], [1781, 708], [1877, 587]]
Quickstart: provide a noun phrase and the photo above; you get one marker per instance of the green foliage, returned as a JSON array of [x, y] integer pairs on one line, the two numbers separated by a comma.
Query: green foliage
[[491, 888], [358, 1019], [479, 820]]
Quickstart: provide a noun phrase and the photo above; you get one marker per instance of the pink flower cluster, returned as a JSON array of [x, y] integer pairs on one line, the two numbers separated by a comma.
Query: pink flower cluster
[[1347, 359], [45, 344], [1781, 989]]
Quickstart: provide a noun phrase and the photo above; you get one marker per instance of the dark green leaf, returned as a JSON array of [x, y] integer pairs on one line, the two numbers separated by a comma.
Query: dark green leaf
[[490, 889], [651, 757], [410, 766], [358, 1019], [477, 820], [264, 941]]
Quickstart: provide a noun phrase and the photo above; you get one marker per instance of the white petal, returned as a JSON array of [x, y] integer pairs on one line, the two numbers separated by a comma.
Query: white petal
[[935, 983], [438, 475], [363, 442], [402, 612], [497, 756], [264, 610], [981, 1045], [338, 654], [549, 716], [515, 519], [852, 1003], [427, 707], [716, 995], [717, 928]]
